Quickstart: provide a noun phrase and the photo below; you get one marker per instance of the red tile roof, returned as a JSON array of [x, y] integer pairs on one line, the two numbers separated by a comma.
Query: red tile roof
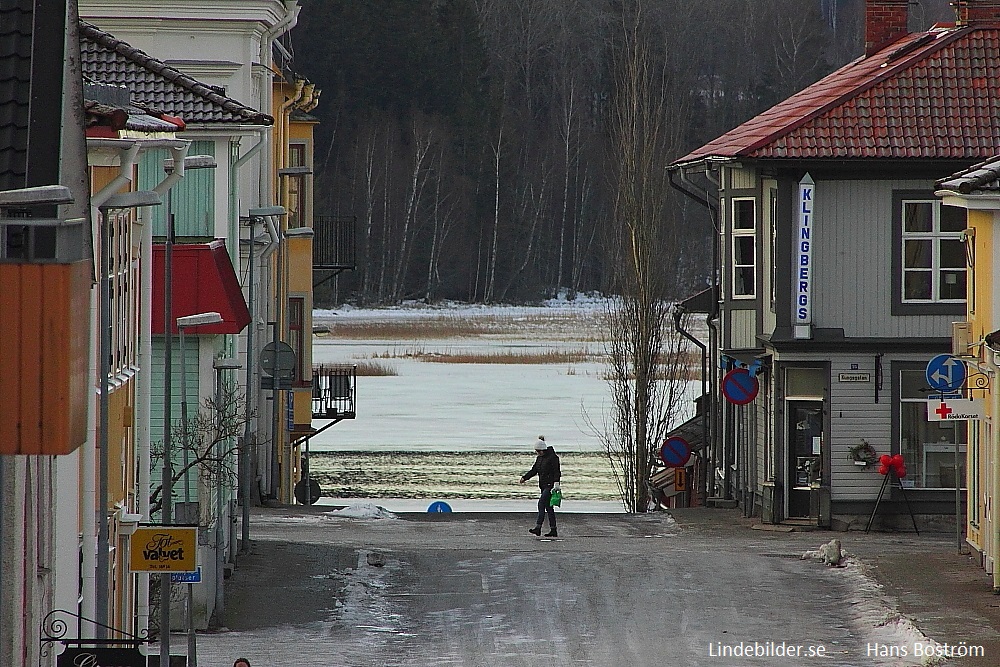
[[929, 95]]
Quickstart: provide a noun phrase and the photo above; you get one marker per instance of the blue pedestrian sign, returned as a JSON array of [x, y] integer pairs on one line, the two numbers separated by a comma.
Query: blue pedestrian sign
[[945, 373], [439, 506], [675, 452]]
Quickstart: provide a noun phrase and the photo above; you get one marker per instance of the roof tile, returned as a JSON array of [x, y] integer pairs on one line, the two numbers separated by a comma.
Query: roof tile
[[156, 85], [929, 95]]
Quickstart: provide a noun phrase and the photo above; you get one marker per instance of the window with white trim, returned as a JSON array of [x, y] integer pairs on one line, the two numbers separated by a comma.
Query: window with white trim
[[933, 253], [744, 242]]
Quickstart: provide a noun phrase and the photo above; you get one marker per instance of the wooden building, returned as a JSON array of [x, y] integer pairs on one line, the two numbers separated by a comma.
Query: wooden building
[[842, 272]]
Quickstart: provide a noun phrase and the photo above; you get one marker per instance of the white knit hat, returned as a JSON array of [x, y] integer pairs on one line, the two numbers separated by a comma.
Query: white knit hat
[[540, 444]]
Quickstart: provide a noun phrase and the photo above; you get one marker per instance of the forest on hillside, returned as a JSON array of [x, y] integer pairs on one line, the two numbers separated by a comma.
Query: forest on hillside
[[472, 140]]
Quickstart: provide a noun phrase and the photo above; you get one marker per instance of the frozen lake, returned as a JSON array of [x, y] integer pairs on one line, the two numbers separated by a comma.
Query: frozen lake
[[441, 427], [456, 407]]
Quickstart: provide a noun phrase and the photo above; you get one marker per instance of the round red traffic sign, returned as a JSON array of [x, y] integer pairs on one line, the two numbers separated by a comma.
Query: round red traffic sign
[[675, 452], [739, 387]]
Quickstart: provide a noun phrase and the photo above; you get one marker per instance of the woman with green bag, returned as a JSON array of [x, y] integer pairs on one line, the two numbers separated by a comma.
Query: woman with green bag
[[547, 468]]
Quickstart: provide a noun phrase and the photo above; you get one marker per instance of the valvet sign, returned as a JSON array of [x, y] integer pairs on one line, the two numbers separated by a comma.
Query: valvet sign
[[164, 549], [802, 261]]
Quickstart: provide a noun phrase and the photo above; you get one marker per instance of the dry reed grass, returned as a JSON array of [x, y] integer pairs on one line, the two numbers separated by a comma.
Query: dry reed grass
[[495, 357], [507, 357], [454, 326], [374, 369]]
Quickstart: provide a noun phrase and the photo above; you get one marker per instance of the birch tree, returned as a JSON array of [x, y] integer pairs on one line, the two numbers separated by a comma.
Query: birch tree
[[640, 352]]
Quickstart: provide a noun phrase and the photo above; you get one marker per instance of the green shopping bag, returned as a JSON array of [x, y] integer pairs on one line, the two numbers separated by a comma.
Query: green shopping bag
[[555, 500]]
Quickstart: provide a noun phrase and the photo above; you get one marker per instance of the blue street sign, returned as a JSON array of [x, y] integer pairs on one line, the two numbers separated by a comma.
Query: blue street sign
[[675, 452], [739, 387], [186, 577], [439, 506], [945, 373]]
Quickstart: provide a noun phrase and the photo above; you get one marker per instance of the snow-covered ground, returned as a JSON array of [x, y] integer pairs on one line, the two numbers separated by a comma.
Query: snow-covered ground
[[434, 406]]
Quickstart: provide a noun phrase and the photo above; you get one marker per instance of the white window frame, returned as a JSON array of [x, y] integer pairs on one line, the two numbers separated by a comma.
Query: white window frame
[[739, 233], [935, 236]]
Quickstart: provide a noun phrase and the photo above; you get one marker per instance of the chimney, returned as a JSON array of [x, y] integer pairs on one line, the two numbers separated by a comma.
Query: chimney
[[885, 22], [976, 12]]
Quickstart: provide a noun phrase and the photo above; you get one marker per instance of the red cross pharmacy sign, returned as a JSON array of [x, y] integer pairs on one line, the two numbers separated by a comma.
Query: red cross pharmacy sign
[[954, 409]]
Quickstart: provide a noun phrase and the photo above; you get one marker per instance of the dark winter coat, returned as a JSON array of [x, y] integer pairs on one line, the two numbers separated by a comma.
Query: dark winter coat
[[546, 467]]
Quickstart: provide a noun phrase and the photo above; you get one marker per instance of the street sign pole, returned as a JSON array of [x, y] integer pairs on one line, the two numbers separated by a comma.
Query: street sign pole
[[947, 375]]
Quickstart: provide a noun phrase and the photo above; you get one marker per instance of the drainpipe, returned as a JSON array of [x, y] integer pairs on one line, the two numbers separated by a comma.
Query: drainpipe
[[678, 314], [144, 380], [128, 156], [143, 400], [693, 192], [993, 358], [287, 22], [91, 520], [249, 397]]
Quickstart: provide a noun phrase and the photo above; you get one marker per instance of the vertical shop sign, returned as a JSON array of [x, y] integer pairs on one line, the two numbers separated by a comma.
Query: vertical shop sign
[[802, 260]]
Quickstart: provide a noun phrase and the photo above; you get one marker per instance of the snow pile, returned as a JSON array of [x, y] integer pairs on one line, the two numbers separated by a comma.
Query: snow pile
[[830, 554], [362, 511], [882, 624]]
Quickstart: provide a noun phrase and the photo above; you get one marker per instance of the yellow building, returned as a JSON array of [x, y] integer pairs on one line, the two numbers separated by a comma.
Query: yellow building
[[294, 97], [977, 190]]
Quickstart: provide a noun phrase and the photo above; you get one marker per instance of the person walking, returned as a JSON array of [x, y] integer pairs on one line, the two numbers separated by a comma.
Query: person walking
[[547, 468]]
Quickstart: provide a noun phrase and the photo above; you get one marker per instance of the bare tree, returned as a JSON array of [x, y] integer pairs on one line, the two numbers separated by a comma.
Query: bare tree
[[640, 355], [422, 141], [211, 439]]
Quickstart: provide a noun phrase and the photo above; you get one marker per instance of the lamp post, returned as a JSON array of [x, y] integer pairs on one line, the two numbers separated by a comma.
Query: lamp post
[[126, 200], [170, 166], [265, 215], [220, 365], [183, 323]]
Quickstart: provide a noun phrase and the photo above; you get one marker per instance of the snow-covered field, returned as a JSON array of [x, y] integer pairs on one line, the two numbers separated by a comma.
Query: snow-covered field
[[455, 407], [465, 407]]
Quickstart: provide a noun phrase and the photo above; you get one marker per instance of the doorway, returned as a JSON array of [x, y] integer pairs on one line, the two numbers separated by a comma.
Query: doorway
[[805, 452]]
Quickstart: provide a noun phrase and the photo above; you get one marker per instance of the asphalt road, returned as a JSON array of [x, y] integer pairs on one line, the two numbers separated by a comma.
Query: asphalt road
[[477, 590]]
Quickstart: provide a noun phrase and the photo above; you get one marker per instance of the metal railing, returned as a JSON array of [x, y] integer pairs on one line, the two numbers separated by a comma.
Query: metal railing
[[334, 242], [333, 393]]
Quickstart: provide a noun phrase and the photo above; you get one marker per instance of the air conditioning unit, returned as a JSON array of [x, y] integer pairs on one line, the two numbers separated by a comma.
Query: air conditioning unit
[[960, 339]]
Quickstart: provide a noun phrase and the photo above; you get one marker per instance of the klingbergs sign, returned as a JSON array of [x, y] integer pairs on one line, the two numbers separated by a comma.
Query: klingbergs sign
[[802, 261]]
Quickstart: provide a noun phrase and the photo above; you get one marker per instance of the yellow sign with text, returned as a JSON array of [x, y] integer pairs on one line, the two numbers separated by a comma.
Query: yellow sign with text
[[164, 549]]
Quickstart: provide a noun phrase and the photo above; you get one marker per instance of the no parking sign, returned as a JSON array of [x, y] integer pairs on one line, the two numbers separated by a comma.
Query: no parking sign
[[739, 387], [675, 452]]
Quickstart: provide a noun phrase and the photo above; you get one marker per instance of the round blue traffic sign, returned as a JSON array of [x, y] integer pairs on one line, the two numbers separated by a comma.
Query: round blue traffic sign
[[945, 373], [675, 452], [439, 506], [739, 387]]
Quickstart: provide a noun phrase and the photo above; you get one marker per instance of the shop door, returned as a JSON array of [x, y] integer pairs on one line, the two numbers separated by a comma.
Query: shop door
[[805, 451]]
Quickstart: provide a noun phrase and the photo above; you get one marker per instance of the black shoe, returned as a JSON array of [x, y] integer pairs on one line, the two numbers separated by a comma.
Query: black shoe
[[535, 531], [552, 533]]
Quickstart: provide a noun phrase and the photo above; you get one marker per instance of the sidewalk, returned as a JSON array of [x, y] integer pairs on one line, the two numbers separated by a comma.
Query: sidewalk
[[945, 594]]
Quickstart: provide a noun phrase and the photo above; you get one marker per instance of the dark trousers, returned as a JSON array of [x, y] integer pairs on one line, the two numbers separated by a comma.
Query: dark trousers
[[545, 509]]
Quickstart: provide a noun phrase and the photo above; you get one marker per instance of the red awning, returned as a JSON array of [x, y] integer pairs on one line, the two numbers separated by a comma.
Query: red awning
[[203, 281]]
